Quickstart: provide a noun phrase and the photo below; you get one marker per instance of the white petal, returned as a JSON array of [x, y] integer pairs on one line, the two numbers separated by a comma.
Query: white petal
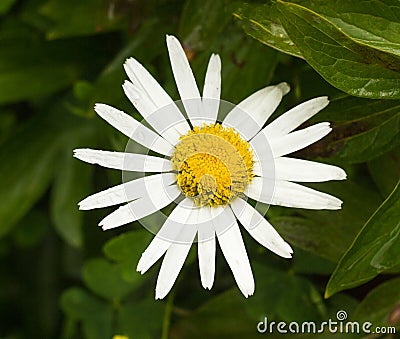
[[293, 118], [127, 191], [133, 129], [264, 161], [250, 115], [290, 195], [168, 233], [168, 120], [212, 82], [300, 170], [206, 247], [260, 229], [212, 90], [184, 79], [232, 246], [123, 161], [294, 141], [174, 260], [294, 195], [151, 91], [153, 252], [140, 208]]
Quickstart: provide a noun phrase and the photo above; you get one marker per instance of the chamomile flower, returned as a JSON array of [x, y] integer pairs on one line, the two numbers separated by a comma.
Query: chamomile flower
[[211, 170]]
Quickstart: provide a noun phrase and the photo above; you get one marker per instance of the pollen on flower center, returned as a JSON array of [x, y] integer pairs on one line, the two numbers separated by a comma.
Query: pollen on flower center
[[214, 164]]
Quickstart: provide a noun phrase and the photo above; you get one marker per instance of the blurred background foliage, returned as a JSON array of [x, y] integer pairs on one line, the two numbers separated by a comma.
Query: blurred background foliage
[[62, 277]]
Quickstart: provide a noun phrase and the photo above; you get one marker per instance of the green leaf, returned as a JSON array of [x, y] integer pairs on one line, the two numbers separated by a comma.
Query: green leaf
[[135, 322], [31, 68], [262, 23], [247, 63], [8, 123], [126, 250], [290, 297], [107, 87], [375, 250], [71, 184], [127, 245], [26, 168], [35, 75], [346, 64], [104, 279], [279, 295], [83, 90], [31, 229], [5, 6], [385, 171], [244, 62], [307, 263], [201, 22], [379, 304], [221, 316], [329, 233], [341, 301], [362, 129], [95, 314], [77, 18], [374, 22]]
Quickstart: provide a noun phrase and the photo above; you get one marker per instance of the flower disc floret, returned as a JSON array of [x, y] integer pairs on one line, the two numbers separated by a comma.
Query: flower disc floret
[[214, 164]]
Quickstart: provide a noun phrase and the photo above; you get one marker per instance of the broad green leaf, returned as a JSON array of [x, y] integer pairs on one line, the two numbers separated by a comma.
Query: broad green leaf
[[107, 87], [83, 90], [362, 129], [308, 263], [290, 297], [341, 301], [304, 81], [8, 122], [247, 63], [375, 250], [329, 233], [26, 168], [380, 305], [373, 142], [373, 22], [72, 183], [31, 68], [348, 65], [96, 316], [104, 279], [201, 22], [244, 62], [224, 315], [34, 75], [279, 295], [31, 229], [127, 245], [308, 235], [126, 250], [77, 18], [134, 320], [385, 171], [261, 21], [5, 6]]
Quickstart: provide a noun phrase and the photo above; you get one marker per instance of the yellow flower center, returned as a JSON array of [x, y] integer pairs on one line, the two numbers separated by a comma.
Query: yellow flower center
[[214, 164]]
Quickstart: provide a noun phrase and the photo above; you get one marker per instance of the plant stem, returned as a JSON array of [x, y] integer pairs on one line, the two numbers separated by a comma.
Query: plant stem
[[167, 315]]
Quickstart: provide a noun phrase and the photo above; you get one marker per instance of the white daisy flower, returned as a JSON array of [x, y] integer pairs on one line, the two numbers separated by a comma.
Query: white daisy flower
[[209, 169]]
